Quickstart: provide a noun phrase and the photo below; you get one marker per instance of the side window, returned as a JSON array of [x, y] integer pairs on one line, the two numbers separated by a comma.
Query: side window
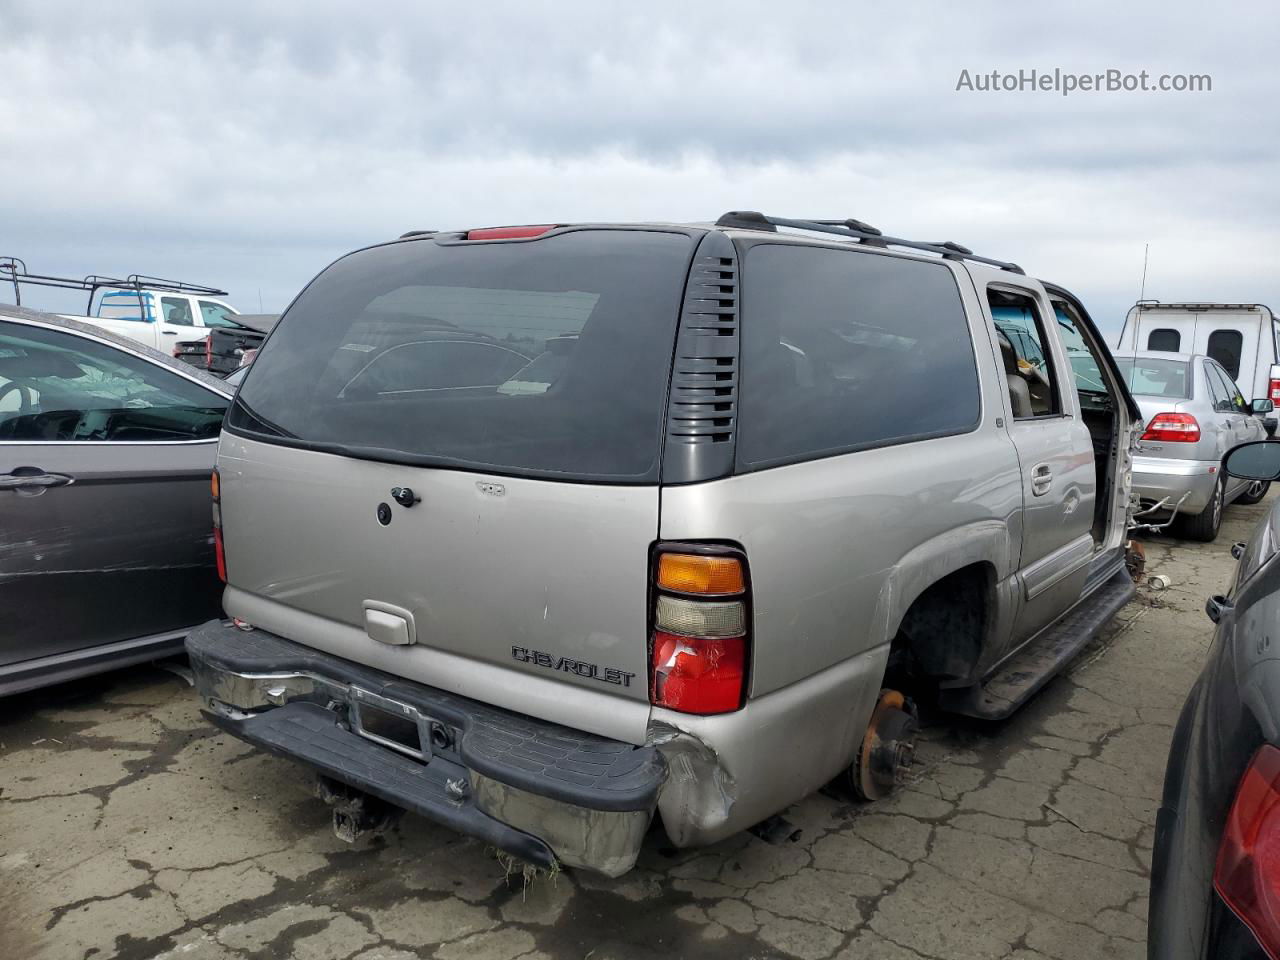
[[177, 310], [1235, 400], [1028, 365], [216, 315], [56, 386], [842, 350], [1225, 346], [1165, 340], [1085, 371], [1217, 388]]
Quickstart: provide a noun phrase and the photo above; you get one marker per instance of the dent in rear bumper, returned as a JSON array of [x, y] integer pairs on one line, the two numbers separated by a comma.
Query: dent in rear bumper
[[728, 772]]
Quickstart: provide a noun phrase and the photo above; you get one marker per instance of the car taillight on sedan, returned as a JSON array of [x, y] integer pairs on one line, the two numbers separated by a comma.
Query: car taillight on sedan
[[1173, 428], [218, 550], [1247, 875], [698, 658]]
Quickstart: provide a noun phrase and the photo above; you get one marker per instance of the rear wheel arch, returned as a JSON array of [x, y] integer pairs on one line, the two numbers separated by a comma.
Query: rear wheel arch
[[945, 631]]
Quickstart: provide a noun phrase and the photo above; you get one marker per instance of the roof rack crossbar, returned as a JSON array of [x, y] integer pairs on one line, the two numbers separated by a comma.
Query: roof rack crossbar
[[865, 233], [14, 270]]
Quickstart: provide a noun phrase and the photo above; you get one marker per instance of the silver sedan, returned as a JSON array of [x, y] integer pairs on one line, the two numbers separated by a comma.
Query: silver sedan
[[1194, 413]]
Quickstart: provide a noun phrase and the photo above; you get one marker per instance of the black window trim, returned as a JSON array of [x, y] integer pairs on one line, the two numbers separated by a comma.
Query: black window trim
[[745, 245]]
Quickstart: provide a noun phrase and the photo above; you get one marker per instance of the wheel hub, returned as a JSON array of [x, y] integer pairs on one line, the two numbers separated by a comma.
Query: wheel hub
[[888, 747]]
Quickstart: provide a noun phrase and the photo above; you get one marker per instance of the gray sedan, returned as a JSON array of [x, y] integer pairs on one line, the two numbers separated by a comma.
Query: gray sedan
[[1194, 413], [106, 451]]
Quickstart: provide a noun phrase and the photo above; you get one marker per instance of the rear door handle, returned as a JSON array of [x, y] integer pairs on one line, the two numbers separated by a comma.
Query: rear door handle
[[11, 481], [1041, 480]]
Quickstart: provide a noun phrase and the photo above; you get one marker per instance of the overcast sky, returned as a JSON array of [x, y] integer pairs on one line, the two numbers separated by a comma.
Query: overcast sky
[[249, 145]]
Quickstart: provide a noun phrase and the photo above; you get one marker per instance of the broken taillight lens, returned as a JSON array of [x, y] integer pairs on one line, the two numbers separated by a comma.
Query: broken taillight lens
[[1247, 874], [698, 674], [698, 657]]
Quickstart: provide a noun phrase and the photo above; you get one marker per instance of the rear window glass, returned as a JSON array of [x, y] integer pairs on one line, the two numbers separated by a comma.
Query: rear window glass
[[550, 357], [845, 350], [1156, 378], [1165, 340], [122, 305]]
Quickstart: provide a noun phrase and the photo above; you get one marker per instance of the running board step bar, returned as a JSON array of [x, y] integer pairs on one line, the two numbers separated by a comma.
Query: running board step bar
[[1020, 677]]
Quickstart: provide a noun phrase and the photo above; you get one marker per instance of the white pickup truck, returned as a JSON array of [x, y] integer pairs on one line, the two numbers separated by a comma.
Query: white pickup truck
[[160, 313]]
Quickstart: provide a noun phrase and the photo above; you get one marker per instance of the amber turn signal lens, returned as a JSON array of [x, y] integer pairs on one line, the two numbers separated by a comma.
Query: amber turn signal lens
[[700, 574], [213, 483]]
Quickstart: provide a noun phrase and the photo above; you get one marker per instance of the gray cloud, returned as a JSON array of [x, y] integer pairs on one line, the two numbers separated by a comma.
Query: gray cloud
[[248, 145]]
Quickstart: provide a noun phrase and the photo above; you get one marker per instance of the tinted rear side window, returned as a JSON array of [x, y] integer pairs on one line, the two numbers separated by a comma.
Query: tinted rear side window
[[545, 358], [845, 350], [1225, 346], [1165, 340]]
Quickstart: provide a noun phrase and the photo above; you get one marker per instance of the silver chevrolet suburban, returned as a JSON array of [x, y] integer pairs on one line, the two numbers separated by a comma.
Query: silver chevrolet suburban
[[537, 531]]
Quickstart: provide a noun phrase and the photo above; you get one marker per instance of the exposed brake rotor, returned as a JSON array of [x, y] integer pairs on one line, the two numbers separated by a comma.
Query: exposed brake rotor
[[887, 749]]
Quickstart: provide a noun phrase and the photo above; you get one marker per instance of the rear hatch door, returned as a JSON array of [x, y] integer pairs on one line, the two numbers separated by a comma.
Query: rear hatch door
[[456, 444]]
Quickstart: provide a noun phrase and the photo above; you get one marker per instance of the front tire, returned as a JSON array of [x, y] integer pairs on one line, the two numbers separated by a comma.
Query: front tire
[[1205, 525]]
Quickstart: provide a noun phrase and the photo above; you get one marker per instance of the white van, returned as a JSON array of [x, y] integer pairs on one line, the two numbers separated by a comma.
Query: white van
[[1240, 336]]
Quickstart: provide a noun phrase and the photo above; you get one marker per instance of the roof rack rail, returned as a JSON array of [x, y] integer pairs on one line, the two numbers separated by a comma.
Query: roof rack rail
[[862, 232], [13, 270]]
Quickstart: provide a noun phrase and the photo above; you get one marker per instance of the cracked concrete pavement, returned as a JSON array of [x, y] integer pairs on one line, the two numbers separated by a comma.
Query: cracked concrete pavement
[[131, 828]]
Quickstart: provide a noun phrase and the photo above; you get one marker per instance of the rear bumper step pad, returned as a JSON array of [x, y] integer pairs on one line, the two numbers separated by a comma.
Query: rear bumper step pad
[[308, 733], [543, 758], [298, 702]]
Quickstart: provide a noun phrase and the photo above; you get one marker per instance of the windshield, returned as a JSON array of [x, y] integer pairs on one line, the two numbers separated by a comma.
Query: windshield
[[545, 357], [1156, 378], [217, 314]]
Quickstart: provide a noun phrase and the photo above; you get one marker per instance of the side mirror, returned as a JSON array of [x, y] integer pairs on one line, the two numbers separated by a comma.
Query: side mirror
[[1261, 406], [1259, 460]]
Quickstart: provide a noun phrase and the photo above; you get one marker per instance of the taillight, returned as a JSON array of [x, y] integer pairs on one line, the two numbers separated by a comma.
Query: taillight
[[1275, 391], [246, 358], [208, 352], [1247, 875], [510, 233], [698, 661], [218, 550], [1173, 428]]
